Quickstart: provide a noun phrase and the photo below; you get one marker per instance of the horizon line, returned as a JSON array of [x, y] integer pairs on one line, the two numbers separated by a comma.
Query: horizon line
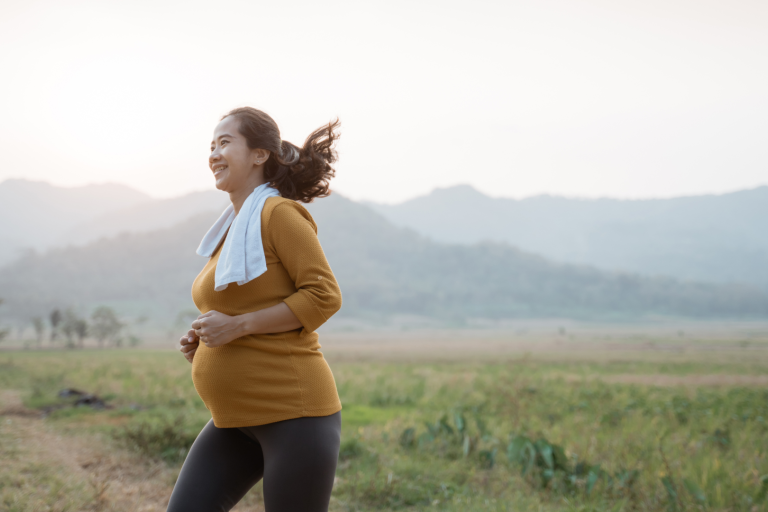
[[415, 197]]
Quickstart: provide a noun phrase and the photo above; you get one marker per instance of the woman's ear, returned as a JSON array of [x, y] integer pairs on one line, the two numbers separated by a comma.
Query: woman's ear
[[260, 156]]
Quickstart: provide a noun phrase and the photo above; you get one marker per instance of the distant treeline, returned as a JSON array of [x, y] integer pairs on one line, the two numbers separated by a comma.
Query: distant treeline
[[103, 326], [382, 270]]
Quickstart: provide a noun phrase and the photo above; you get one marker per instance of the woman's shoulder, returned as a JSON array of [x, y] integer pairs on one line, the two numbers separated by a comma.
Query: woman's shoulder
[[279, 211]]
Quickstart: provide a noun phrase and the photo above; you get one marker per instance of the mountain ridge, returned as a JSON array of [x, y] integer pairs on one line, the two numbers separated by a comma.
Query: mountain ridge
[[383, 270], [46, 216], [148, 216], [716, 238]]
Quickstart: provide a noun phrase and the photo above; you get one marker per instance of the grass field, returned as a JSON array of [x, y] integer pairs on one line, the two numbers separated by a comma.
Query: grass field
[[637, 429]]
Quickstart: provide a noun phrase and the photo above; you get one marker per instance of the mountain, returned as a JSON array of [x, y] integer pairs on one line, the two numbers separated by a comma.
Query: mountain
[[146, 274], [39, 216], [382, 270], [35, 213], [147, 216], [718, 238]]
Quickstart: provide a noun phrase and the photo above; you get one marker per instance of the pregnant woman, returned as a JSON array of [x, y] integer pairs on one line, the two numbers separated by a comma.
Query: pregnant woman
[[265, 290]]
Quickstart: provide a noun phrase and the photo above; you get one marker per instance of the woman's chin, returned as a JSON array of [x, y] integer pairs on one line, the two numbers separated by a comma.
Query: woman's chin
[[221, 184]]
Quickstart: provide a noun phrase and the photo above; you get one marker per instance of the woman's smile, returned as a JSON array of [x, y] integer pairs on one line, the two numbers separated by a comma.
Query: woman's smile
[[220, 173]]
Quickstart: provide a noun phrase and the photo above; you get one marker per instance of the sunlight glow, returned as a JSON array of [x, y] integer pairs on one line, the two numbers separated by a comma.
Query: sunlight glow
[[584, 98]]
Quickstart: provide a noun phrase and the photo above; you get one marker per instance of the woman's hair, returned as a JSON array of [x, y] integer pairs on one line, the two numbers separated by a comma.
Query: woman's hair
[[298, 173]]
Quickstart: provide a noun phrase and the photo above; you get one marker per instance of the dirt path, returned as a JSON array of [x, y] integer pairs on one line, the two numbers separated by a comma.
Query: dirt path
[[44, 470], [88, 473]]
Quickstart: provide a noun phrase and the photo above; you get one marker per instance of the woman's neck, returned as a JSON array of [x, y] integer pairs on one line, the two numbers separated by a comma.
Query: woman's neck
[[238, 197]]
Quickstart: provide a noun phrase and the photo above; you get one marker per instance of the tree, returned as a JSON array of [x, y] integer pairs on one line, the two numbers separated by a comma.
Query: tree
[[105, 325], [81, 330], [39, 326], [3, 332], [73, 328], [55, 320], [68, 322]]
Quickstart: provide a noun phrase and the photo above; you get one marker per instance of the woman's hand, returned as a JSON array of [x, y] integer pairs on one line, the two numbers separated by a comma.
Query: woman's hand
[[216, 329], [188, 345]]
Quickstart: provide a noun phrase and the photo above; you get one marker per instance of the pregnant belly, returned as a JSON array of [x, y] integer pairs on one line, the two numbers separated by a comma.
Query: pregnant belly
[[240, 379]]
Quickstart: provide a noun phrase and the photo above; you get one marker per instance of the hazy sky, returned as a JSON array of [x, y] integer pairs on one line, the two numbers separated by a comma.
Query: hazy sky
[[577, 97]]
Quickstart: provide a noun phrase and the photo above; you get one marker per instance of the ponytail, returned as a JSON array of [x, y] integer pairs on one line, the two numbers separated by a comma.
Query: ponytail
[[298, 173]]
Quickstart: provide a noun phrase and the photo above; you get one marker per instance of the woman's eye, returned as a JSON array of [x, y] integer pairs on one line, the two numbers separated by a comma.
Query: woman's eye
[[224, 142]]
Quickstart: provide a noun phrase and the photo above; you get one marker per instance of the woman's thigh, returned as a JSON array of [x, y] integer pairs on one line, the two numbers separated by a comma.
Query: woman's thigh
[[222, 465], [300, 458]]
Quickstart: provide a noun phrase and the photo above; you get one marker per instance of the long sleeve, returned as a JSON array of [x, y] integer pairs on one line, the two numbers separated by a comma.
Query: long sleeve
[[264, 378], [293, 235]]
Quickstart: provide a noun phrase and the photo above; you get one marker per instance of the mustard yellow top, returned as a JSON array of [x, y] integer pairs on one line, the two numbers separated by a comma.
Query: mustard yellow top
[[264, 378]]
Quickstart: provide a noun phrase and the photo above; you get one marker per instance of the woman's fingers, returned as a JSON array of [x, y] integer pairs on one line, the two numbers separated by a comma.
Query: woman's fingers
[[191, 337], [198, 322], [198, 326], [188, 347]]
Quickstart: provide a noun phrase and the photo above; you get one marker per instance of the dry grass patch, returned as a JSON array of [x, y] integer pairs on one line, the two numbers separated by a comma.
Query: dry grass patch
[[46, 471]]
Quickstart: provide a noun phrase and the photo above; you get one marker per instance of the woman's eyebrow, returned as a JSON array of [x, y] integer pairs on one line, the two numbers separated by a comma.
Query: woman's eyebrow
[[223, 135]]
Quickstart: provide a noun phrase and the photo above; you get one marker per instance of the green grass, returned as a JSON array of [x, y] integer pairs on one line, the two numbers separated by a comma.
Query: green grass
[[419, 435]]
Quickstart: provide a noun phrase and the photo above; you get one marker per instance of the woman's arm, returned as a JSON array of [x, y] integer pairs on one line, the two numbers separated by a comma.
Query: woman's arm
[[216, 329], [292, 235]]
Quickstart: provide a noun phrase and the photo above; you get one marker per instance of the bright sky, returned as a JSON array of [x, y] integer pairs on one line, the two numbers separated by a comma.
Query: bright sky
[[642, 98]]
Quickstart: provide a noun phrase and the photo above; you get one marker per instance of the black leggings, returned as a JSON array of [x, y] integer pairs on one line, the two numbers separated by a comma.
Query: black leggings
[[297, 459]]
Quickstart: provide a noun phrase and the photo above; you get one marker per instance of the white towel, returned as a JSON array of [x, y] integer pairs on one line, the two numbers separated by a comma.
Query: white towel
[[242, 257]]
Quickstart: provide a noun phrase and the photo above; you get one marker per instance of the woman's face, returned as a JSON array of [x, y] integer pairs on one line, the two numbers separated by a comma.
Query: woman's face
[[232, 162]]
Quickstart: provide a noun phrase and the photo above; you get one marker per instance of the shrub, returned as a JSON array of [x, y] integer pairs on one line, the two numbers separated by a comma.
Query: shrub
[[167, 438]]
